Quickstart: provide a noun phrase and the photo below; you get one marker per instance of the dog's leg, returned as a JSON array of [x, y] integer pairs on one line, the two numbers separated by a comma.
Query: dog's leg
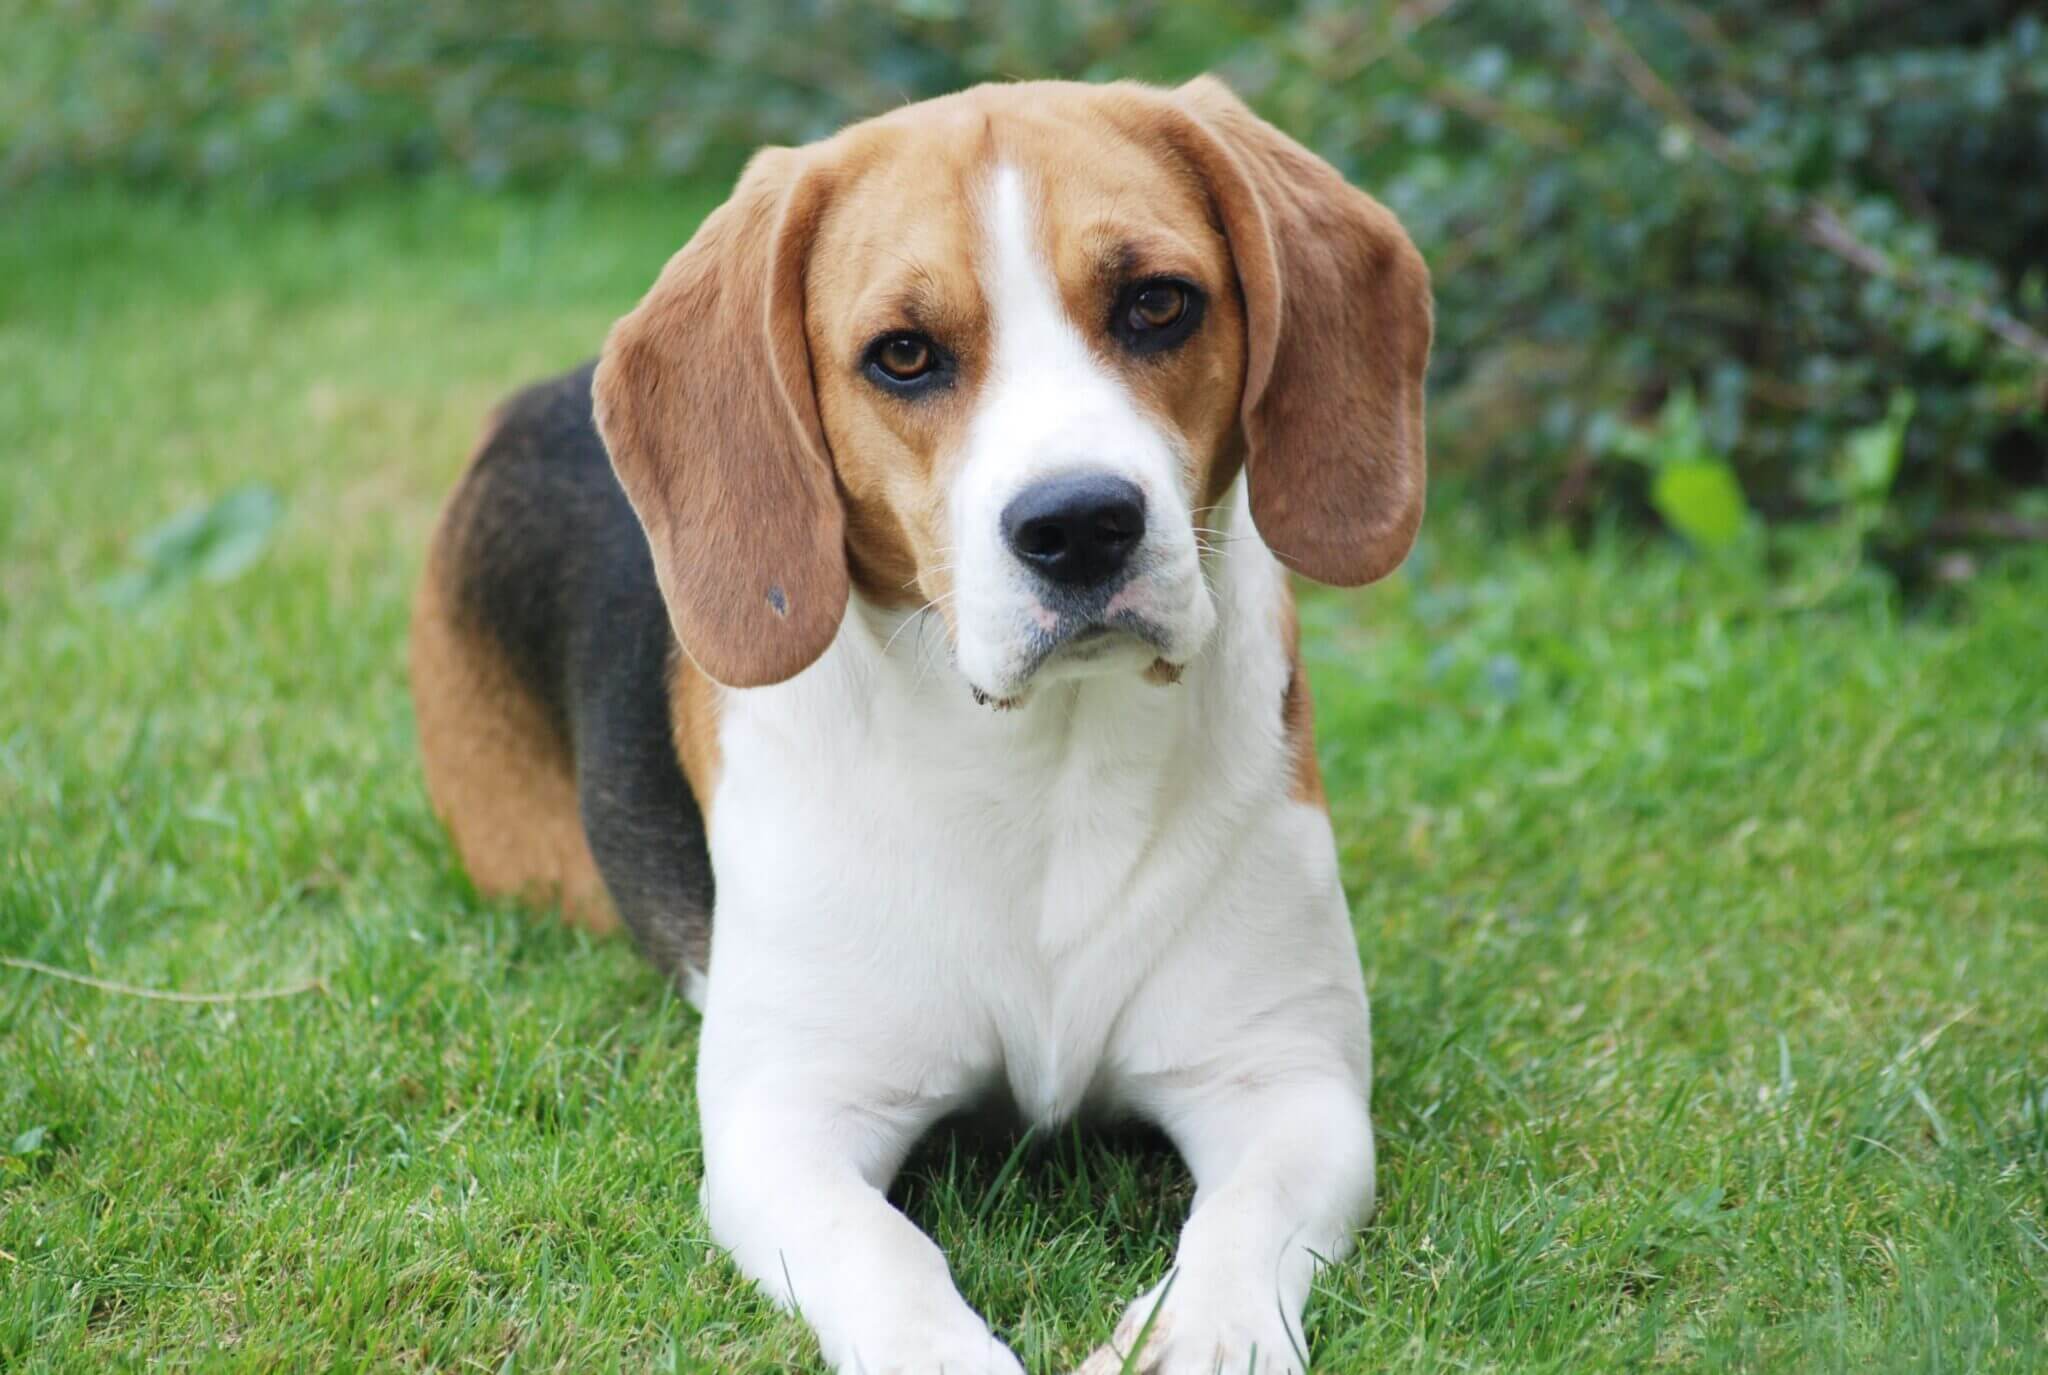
[[1284, 1174], [793, 1186]]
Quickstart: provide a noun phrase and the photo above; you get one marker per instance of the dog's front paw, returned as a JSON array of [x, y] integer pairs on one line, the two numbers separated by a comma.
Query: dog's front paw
[[937, 1349], [1196, 1337]]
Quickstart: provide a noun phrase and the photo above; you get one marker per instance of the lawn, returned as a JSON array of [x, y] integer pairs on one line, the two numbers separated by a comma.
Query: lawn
[[1705, 912]]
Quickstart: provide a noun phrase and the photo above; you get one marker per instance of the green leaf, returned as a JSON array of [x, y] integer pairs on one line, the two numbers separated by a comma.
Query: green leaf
[[29, 1142], [217, 542], [1869, 460], [1679, 436], [1701, 500]]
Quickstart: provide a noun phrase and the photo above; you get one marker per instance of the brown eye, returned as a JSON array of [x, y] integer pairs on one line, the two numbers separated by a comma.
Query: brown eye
[[905, 357], [1157, 315], [1158, 305]]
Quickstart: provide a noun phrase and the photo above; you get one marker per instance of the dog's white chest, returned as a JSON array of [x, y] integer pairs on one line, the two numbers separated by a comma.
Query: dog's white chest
[[1057, 965], [1006, 894], [1051, 848]]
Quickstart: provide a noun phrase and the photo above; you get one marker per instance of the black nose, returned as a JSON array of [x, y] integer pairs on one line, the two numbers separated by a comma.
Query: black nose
[[1078, 529]]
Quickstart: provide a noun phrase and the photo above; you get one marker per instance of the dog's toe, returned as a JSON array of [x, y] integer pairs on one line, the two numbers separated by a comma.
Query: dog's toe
[[1203, 1343]]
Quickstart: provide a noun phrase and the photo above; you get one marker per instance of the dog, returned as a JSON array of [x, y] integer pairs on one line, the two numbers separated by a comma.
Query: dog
[[893, 630]]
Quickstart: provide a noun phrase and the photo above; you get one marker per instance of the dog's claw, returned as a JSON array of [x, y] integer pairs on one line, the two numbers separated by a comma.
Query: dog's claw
[[1112, 1356]]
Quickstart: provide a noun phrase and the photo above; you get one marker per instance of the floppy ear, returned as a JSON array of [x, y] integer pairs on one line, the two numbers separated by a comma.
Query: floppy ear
[[1337, 319], [705, 401]]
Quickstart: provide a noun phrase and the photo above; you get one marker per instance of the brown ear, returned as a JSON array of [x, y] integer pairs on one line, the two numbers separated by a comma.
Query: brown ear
[[1337, 318], [704, 398]]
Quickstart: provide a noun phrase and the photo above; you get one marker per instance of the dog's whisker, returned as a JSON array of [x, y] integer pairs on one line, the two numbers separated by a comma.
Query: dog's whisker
[[923, 573], [925, 661], [915, 617]]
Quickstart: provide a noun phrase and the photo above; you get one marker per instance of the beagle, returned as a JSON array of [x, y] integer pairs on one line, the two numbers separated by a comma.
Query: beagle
[[893, 630]]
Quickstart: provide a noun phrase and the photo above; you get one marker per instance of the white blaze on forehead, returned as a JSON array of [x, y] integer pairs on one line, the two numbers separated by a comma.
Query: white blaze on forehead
[[1030, 322], [1042, 375]]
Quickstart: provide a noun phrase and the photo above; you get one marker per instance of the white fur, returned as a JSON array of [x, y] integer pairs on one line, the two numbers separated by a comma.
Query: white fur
[[1104, 901]]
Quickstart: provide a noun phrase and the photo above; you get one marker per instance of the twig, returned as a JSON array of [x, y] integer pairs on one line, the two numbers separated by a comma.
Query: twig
[[1534, 128], [1408, 21], [2002, 525], [1701, 28], [160, 994], [1820, 226], [1643, 78], [1815, 222]]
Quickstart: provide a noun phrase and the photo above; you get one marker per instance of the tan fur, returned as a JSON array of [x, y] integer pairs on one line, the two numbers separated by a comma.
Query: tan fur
[[693, 710], [1298, 715], [499, 778], [896, 250]]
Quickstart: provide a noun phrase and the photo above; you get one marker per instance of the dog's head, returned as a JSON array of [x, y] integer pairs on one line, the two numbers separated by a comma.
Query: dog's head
[[1001, 355]]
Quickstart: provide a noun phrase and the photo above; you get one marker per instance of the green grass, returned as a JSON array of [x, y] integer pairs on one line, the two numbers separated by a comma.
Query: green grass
[[1706, 916]]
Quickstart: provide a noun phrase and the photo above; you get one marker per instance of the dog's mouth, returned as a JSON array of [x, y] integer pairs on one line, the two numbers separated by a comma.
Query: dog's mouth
[[1076, 645], [1080, 641]]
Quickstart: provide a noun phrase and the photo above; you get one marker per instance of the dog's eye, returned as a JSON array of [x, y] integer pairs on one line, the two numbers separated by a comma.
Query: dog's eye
[[1155, 315], [903, 357], [1158, 305]]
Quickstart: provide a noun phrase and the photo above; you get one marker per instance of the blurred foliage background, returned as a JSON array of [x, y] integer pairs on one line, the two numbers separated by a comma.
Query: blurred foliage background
[[1725, 265]]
